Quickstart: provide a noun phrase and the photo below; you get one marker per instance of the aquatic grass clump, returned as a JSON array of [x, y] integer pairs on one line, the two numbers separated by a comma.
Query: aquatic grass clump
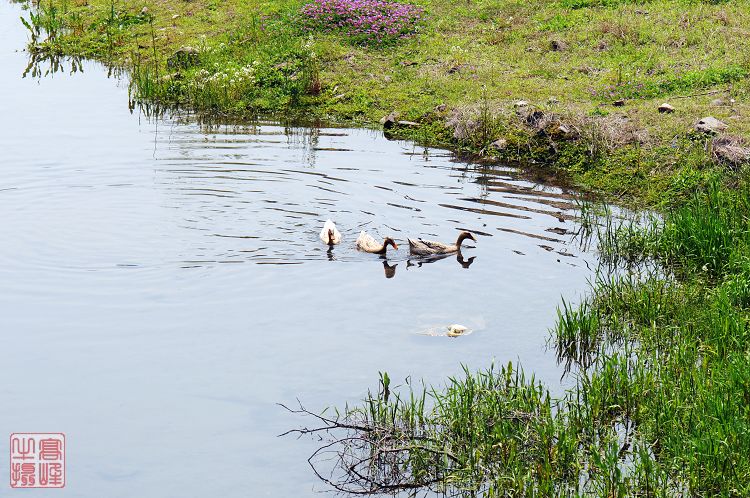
[[486, 431], [710, 234], [367, 22]]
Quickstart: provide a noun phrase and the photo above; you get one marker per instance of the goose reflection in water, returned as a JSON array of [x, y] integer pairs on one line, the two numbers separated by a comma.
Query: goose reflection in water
[[390, 270], [465, 263]]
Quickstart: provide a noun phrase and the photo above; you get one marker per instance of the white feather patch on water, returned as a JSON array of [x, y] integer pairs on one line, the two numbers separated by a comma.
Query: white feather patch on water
[[453, 330]]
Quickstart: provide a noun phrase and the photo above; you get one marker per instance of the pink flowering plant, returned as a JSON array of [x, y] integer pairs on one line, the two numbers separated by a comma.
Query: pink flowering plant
[[367, 22]]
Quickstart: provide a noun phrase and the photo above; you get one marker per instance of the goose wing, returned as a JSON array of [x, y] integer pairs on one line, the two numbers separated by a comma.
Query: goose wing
[[366, 242], [423, 247]]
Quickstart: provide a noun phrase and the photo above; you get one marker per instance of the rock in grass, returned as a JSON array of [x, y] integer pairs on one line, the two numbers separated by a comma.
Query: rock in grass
[[536, 119], [410, 124], [619, 103], [520, 104], [710, 125], [183, 58], [558, 45], [390, 120], [665, 108], [550, 125], [561, 131], [730, 150], [718, 102], [567, 132]]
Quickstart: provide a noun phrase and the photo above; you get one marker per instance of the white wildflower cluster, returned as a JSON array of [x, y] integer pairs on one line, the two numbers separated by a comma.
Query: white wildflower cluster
[[228, 76], [309, 47]]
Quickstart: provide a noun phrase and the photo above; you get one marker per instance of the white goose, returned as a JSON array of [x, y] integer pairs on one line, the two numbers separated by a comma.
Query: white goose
[[366, 243], [330, 234]]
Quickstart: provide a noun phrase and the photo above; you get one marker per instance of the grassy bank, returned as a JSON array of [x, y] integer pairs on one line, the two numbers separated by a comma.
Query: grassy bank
[[458, 76], [661, 407]]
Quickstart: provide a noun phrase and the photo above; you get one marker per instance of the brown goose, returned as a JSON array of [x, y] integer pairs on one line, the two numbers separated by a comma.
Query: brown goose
[[366, 243], [426, 247]]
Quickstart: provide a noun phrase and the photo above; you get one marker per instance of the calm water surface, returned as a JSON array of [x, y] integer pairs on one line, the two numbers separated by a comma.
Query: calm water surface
[[162, 286]]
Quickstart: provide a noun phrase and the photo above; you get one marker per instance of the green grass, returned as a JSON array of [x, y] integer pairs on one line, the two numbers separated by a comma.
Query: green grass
[[476, 58]]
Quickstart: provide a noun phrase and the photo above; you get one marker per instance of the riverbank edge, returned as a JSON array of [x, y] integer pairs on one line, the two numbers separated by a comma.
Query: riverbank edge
[[607, 155]]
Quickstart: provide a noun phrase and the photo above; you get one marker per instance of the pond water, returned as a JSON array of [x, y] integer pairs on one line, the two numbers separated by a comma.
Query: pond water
[[163, 285]]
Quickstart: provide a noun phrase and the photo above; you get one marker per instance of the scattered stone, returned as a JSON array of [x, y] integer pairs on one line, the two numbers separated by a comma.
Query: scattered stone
[[408, 63], [710, 125], [441, 108], [559, 45], [455, 69], [411, 124], [619, 103], [144, 11], [561, 131], [666, 108], [718, 102], [553, 100], [567, 131], [536, 119], [339, 96], [183, 58], [551, 125], [500, 144], [521, 103], [175, 17], [387, 78], [730, 150], [390, 120]]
